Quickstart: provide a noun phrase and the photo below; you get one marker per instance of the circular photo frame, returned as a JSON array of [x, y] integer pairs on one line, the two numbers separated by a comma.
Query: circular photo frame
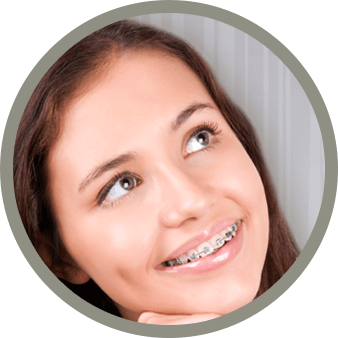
[[295, 121]]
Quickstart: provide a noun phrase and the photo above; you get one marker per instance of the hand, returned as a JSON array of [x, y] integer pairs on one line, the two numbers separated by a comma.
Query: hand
[[160, 319]]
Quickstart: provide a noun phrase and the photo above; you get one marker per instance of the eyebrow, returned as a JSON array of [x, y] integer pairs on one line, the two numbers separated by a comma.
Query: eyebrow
[[127, 157], [185, 114], [100, 170]]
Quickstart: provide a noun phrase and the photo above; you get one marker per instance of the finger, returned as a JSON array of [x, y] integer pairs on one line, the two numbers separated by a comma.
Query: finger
[[161, 319]]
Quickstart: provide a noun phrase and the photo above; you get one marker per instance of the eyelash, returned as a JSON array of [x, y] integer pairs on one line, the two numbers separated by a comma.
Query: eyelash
[[211, 127], [104, 192]]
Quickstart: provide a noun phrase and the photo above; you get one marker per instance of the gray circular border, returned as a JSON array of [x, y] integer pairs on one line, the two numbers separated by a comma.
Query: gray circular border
[[284, 55]]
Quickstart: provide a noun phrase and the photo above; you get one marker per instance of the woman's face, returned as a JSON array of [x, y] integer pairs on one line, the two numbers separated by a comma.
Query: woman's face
[[146, 170]]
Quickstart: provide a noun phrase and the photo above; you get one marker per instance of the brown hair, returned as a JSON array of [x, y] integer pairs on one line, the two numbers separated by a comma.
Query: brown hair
[[41, 125]]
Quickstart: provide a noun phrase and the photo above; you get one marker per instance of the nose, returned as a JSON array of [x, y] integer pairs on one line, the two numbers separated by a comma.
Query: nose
[[184, 197]]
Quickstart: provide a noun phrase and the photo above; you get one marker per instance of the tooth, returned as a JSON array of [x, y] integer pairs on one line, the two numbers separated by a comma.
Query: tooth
[[193, 255], [182, 259], [226, 234], [217, 241], [205, 249]]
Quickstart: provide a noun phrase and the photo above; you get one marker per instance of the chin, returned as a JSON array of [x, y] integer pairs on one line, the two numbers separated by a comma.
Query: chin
[[240, 293], [239, 296]]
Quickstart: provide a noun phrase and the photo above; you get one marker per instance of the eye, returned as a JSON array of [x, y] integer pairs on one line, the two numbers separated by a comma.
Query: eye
[[121, 187], [198, 142], [201, 138], [118, 188]]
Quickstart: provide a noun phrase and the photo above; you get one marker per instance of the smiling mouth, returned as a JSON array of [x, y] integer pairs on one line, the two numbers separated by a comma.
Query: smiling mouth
[[206, 248]]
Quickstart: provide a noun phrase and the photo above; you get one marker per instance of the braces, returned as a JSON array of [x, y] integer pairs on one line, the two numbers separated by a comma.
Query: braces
[[220, 243]]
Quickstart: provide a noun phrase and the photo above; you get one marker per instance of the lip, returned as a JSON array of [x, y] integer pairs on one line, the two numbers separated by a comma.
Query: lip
[[226, 254]]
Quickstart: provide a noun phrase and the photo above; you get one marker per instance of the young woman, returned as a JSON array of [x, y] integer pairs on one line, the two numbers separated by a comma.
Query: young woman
[[142, 186]]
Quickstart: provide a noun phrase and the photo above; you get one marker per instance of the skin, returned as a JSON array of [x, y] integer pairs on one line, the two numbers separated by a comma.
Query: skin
[[178, 195]]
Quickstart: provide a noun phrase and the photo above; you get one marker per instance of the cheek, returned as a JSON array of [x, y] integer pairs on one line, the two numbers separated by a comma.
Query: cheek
[[100, 243], [242, 188], [87, 244], [238, 180]]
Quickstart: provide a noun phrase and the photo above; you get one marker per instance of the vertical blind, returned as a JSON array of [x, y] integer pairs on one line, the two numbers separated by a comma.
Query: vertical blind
[[275, 103]]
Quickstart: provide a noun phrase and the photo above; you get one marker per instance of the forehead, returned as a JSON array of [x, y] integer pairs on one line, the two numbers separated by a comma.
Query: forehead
[[145, 89]]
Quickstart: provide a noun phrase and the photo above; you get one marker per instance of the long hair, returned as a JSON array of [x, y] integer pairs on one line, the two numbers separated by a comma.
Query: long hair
[[72, 73]]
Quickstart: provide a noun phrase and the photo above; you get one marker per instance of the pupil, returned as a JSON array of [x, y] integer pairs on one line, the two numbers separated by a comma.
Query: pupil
[[203, 138], [126, 183]]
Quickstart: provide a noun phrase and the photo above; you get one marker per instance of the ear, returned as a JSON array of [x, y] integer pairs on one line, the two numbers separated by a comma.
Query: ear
[[67, 269]]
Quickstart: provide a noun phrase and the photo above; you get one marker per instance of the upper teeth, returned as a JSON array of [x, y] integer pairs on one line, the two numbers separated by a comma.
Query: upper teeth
[[206, 248]]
